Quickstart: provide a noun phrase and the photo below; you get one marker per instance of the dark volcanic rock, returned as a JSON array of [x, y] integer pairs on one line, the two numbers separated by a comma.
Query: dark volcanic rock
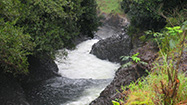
[[112, 48], [124, 76], [11, 93], [116, 21], [40, 69]]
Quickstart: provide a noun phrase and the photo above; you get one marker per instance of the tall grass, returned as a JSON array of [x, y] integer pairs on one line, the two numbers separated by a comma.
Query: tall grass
[[148, 91]]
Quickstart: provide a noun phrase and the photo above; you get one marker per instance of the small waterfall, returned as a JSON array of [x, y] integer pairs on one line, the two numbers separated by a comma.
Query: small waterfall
[[80, 64]]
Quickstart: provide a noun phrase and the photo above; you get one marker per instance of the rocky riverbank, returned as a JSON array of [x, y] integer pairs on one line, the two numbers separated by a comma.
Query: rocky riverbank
[[124, 76], [43, 85], [120, 45], [12, 91]]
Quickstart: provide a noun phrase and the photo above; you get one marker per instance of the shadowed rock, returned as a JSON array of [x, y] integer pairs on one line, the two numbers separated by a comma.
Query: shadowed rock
[[11, 93], [124, 76], [40, 69], [112, 48]]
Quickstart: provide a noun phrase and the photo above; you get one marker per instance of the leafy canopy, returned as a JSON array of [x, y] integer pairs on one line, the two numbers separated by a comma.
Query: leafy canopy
[[40, 27], [15, 46]]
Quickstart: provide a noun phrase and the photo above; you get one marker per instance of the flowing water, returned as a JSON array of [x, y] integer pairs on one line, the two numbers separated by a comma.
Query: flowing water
[[80, 64], [83, 77]]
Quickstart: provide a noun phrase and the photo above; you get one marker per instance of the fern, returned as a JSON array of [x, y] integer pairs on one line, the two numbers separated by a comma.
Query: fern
[[126, 65], [115, 103], [134, 59], [167, 40]]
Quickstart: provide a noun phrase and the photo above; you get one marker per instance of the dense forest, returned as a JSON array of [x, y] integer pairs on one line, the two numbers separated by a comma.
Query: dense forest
[[154, 14], [40, 27]]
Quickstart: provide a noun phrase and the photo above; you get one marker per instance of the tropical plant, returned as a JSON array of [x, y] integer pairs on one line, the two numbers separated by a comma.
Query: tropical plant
[[164, 85], [14, 49], [135, 59], [154, 14], [48, 24], [52, 24], [167, 39]]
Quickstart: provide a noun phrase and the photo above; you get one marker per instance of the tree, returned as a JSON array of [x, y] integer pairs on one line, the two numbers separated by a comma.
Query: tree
[[15, 46], [148, 14], [48, 24]]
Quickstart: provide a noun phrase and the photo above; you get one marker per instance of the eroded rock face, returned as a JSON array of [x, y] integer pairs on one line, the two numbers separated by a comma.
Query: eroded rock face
[[112, 25], [11, 93], [124, 76], [40, 69], [112, 48]]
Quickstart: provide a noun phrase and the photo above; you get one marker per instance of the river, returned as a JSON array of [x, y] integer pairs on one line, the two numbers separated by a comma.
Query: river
[[80, 64], [83, 77]]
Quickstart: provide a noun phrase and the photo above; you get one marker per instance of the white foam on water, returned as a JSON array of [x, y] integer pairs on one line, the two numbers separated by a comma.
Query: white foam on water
[[81, 64]]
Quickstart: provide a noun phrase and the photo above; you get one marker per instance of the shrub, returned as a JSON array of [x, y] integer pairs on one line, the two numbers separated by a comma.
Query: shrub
[[163, 85], [89, 21], [15, 46], [51, 25], [152, 14]]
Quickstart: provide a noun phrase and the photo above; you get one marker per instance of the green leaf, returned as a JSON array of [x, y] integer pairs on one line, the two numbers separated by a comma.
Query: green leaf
[[136, 59], [135, 55], [176, 28], [172, 44], [124, 58], [169, 28], [115, 103], [126, 65], [184, 26]]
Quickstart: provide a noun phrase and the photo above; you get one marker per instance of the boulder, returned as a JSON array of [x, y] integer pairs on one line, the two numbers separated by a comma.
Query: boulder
[[124, 76], [111, 25], [40, 69], [112, 48]]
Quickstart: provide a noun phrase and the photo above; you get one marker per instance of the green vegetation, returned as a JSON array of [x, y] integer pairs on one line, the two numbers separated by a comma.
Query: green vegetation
[[149, 90], [168, 39], [109, 6], [134, 58], [164, 85], [154, 14], [164, 22], [15, 46], [40, 27]]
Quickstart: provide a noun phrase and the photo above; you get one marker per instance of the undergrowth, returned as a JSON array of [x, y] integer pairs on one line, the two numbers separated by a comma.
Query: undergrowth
[[148, 90], [165, 84]]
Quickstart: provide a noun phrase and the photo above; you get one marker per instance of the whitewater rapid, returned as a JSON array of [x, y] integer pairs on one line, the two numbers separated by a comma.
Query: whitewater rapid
[[80, 64]]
